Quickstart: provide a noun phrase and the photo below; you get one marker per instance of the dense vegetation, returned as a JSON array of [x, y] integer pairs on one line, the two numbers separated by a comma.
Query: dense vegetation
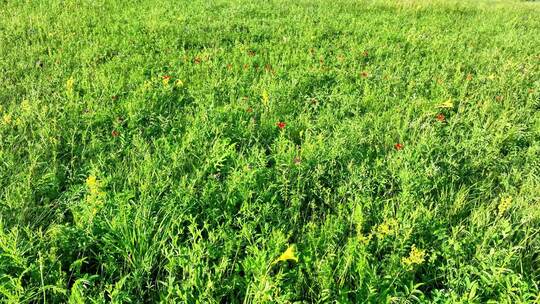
[[237, 151]]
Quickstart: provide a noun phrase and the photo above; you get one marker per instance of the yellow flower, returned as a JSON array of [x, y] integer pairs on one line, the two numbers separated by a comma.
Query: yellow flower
[[7, 119], [166, 80], [447, 104], [93, 185], [504, 205], [25, 105], [69, 84], [147, 85], [387, 227], [364, 239], [265, 98], [416, 256], [289, 254], [179, 83]]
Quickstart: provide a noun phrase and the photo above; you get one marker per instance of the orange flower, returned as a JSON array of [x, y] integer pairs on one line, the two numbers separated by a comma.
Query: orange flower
[[440, 117], [281, 125], [398, 146]]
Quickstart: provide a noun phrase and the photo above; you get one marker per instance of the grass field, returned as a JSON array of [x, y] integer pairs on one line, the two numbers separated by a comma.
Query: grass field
[[342, 151]]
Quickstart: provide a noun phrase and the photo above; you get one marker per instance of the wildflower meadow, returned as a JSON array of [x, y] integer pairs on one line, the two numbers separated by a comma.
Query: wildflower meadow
[[233, 151]]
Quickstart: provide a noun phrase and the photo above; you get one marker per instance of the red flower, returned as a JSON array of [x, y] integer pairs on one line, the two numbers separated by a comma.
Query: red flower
[[440, 117], [115, 133], [398, 146], [166, 77], [281, 125]]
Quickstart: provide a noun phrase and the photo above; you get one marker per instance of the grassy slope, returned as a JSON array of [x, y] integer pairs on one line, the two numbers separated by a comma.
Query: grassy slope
[[197, 191]]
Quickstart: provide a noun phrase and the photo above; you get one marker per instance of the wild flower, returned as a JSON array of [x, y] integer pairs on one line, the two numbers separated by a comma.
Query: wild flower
[[166, 80], [265, 97], [178, 83], [440, 117], [398, 146], [70, 83], [504, 205], [364, 239], [387, 227], [281, 125], [7, 119], [447, 104], [25, 105], [288, 255], [93, 185], [416, 257]]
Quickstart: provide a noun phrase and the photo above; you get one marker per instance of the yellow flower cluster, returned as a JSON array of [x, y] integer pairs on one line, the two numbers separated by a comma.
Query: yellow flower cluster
[[7, 119], [388, 227], [504, 205], [25, 105], [70, 83], [416, 257], [93, 185], [265, 98]]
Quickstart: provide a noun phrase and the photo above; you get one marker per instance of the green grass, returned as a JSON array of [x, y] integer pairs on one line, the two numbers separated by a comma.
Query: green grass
[[118, 184]]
